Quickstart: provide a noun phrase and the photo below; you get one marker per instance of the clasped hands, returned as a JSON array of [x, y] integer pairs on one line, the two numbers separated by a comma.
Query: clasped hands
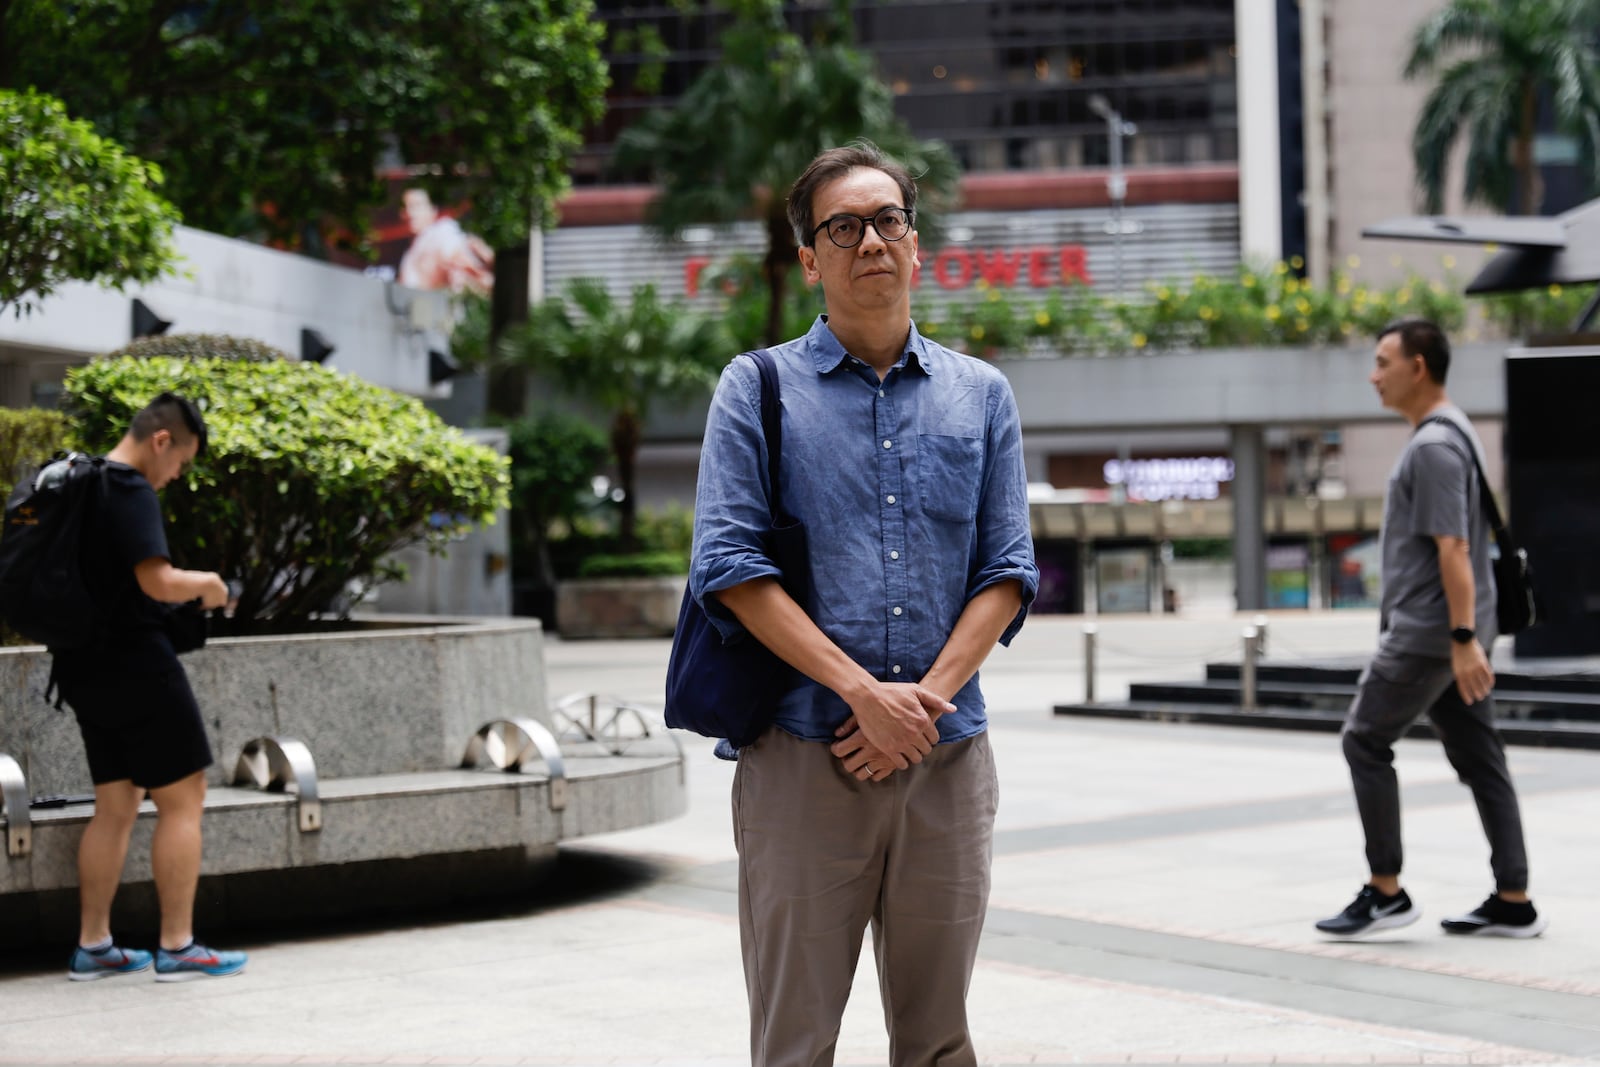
[[889, 728]]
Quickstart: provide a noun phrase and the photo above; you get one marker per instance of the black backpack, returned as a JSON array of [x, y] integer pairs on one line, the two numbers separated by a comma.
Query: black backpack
[[43, 595]]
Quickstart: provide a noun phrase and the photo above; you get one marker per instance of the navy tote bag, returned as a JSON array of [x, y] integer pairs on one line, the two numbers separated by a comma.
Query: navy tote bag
[[731, 690]]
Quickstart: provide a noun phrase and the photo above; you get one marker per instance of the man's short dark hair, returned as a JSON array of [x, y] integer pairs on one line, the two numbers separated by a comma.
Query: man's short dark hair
[[836, 163], [174, 414], [1419, 337]]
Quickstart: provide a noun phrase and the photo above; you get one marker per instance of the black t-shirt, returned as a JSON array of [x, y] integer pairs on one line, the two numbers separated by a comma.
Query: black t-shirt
[[122, 529]]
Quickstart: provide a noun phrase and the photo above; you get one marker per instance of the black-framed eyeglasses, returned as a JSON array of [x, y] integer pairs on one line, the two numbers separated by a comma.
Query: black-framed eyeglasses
[[846, 231]]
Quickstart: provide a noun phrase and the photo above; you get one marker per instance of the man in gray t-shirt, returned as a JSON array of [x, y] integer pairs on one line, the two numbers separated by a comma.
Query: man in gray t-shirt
[[1437, 626]]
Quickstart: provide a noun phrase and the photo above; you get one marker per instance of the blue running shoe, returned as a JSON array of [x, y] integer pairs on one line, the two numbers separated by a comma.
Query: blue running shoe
[[86, 966], [197, 961]]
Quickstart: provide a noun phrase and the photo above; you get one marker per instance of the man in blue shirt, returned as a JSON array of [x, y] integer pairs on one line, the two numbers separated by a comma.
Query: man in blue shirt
[[873, 797]]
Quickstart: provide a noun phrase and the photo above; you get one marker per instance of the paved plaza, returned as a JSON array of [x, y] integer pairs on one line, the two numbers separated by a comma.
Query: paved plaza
[[1154, 890]]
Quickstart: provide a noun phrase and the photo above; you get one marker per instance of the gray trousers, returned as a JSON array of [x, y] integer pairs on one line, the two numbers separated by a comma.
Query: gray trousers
[[1395, 690], [821, 855]]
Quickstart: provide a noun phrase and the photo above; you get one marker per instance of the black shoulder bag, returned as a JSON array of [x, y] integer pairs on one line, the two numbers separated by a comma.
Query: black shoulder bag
[[731, 689], [1516, 603]]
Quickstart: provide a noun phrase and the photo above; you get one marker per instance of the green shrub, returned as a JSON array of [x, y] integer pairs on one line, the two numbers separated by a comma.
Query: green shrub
[[634, 565], [311, 480], [554, 459], [200, 346], [28, 437]]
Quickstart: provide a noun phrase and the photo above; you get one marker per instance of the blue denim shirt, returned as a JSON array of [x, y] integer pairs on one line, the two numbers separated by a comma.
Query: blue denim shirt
[[913, 494]]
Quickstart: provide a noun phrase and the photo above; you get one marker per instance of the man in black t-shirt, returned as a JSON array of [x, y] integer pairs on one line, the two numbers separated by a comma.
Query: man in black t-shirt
[[141, 727]]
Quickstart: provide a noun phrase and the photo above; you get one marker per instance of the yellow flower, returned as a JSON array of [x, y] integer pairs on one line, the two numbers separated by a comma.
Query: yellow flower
[[1273, 313], [1280, 268], [977, 333], [1296, 262], [1248, 281], [994, 296], [1555, 290], [1344, 287], [1301, 325], [1164, 293], [1436, 288], [1353, 262], [1347, 329], [1291, 286], [1042, 318], [1206, 313], [981, 284], [1140, 340], [1404, 295], [1303, 306], [1448, 260]]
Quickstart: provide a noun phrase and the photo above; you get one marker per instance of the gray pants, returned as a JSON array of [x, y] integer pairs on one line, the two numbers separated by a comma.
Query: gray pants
[[1395, 689], [821, 855]]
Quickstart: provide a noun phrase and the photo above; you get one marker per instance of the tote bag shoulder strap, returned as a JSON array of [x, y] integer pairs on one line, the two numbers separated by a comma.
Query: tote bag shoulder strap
[[771, 421]]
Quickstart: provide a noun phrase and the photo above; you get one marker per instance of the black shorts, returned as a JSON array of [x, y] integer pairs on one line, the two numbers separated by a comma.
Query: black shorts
[[143, 727]]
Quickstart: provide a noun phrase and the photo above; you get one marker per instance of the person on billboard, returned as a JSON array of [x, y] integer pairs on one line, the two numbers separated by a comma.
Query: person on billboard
[[1437, 624], [442, 255], [872, 800]]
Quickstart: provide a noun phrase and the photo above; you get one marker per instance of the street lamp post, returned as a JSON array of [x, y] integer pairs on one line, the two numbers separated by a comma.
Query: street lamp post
[[1116, 181]]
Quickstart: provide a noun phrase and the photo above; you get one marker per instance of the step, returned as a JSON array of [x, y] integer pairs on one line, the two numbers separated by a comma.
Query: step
[[1509, 703], [1514, 731], [1561, 676]]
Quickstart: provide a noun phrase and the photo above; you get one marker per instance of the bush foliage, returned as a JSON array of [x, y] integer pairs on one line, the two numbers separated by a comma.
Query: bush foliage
[[312, 477], [28, 437], [73, 205], [199, 346]]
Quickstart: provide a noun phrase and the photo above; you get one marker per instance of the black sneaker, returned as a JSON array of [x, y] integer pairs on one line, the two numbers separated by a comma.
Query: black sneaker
[[1498, 918], [1370, 912]]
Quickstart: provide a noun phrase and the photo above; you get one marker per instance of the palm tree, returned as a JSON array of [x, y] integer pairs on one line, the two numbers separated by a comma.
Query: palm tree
[[751, 123], [619, 359], [1503, 55]]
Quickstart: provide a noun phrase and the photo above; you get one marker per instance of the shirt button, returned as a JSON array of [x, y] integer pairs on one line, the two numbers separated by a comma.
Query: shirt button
[[890, 498], [899, 611], [894, 555], [888, 444], [895, 668], [882, 393]]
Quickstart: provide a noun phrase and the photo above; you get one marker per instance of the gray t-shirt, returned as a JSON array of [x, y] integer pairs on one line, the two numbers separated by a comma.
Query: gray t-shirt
[[1433, 492]]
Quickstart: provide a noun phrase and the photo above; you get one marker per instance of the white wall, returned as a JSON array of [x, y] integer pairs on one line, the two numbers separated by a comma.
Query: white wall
[[235, 287]]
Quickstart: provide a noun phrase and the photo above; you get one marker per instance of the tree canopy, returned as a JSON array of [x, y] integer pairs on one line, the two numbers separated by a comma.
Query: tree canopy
[[1493, 61], [750, 123], [73, 206], [275, 117], [619, 359]]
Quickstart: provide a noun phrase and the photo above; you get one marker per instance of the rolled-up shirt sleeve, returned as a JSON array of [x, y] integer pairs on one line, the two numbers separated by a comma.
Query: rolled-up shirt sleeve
[[1005, 542], [732, 511]]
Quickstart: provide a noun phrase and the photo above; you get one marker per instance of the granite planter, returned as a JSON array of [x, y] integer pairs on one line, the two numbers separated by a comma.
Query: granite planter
[[391, 695]]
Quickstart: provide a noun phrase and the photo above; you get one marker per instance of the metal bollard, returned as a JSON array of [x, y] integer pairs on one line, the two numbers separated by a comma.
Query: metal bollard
[[1247, 669], [1260, 623], [1090, 632]]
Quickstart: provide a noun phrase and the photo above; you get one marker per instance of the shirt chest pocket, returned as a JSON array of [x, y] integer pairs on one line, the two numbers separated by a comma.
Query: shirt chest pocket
[[950, 475]]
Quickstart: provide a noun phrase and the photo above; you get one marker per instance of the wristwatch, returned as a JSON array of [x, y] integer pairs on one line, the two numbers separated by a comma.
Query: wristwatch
[[1463, 635]]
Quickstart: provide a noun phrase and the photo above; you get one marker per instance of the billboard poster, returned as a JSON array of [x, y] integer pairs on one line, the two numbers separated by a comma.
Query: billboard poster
[[425, 246], [1354, 570], [1122, 580], [1288, 575]]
